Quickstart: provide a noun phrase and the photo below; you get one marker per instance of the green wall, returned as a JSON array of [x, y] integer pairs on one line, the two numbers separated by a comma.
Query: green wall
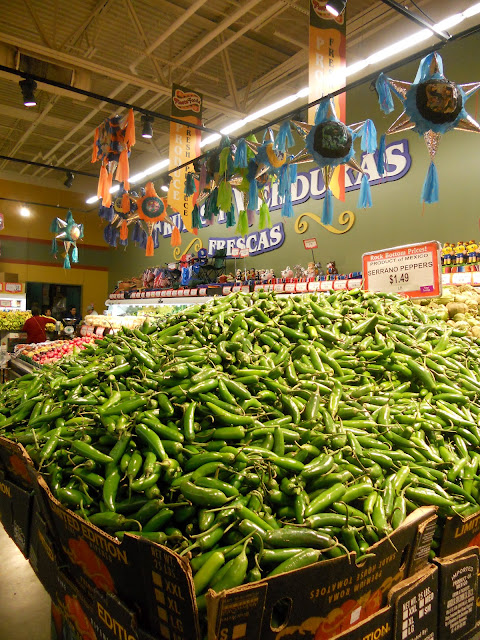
[[397, 216]]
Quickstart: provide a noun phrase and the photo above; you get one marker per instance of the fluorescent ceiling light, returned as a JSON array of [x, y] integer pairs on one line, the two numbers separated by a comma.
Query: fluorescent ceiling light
[[379, 56], [472, 11]]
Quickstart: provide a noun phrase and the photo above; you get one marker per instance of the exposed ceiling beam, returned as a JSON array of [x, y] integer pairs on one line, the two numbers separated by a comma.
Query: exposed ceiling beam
[[75, 62], [400, 8]]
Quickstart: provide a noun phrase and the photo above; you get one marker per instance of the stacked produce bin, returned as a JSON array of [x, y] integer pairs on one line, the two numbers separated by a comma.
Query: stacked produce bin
[[255, 468]]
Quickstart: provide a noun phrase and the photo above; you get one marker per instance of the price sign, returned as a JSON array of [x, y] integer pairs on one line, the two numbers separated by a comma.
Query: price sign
[[476, 278], [202, 291], [99, 331], [461, 278], [83, 330], [226, 290], [235, 252], [181, 292], [311, 243], [301, 287], [289, 287], [339, 285], [245, 289], [446, 278], [279, 287], [14, 287], [168, 293], [193, 292], [354, 283], [414, 270], [174, 293], [236, 288], [314, 285], [2, 222], [244, 253], [325, 285]]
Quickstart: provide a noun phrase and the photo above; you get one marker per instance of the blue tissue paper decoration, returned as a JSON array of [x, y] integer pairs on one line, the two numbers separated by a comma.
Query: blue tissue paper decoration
[[365, 197], [430, 186], [327, 213]]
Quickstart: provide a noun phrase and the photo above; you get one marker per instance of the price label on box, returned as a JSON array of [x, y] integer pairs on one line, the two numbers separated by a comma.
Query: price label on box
[[174, 293], [202, 291], [236, 288], [194, 292], [325, 285], [461, 278], [279, 287], [168, 293], [289, 287], [245, 289], [414, 270], [302, 287], [339, 285], [226, 290], [83, 328], [355, 283], [99, 331], [314, 285], [181, 292]]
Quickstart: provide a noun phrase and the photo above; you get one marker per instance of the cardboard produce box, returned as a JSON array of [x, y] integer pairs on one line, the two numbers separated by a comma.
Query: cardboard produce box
[[15, 513], [102, 617], [158, 583], [411, 613], [43, 556], [459, 533], [16, 464], [458, 593]]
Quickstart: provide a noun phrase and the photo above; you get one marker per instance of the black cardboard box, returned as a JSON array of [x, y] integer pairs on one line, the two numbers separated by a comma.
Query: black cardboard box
[[43, 556], [16, 464], [411, 613], [101, 617], [458, 581], [158, 583], [15, 513]]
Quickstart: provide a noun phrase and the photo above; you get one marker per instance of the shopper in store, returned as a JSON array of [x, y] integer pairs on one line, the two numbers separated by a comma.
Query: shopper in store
[[35, 326], [47, 312], [91, 310], [73, 315]]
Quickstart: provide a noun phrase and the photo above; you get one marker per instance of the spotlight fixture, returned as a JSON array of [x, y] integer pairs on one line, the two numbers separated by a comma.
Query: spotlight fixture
[[69, 179], [24, 212], [28, 87], [165, 183], [336, 7], [147, 131]]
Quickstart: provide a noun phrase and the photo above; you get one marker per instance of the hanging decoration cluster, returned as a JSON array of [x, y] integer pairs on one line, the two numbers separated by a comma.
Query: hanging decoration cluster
[[433, 106], [70, 233], [112, 143], [146, 210]]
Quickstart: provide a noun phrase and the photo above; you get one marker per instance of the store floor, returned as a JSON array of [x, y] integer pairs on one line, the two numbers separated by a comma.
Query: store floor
[[24, 603]]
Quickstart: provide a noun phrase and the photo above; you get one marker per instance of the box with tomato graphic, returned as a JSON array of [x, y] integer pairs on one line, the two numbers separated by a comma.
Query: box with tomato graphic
[[15, 512], [318, 601], [327, 598], [76, 617], [16, 464], [411, 612]]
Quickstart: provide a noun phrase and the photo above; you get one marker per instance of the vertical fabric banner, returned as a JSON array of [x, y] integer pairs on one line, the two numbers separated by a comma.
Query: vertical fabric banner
[[184, 146], [326, 69]]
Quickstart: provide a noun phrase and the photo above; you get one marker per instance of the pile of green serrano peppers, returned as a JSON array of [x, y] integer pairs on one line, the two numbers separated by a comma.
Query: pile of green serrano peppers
[[259, 434]]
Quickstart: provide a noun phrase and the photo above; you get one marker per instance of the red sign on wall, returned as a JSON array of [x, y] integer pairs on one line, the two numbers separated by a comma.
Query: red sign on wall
[[311, 243]]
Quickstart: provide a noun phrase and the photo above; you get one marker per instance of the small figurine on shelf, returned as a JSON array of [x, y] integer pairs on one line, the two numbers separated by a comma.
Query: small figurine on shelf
[[312, 271], [460, 254], [287, 273], [320, 270], [238, 275], [447, 251], [269, 274], [223, 278], [298, 271], [472, 247], [332, 269]]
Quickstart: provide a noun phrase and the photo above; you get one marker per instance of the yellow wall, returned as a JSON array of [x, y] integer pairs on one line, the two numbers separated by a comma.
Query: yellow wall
[[32, 267]]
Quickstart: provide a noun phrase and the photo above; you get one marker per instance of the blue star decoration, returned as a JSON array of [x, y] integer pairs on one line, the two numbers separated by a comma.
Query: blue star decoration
[[330, 143], [433, 106], [70, 233]]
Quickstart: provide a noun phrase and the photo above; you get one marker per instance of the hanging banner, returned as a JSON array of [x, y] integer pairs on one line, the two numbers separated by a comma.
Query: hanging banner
[[184, 146], [326, 69]]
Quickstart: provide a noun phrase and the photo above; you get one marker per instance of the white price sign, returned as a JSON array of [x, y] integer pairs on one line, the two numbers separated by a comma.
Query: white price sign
[[244, 253], [301, 287], [461, 278], [355, 283], [339, 285], [314, 285], [414, 270], [289, 287], [325, 285]]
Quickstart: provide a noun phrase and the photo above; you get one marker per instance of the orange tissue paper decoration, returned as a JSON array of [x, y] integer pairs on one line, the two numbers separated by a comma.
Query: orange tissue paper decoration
[[175, 240], [112, 143]]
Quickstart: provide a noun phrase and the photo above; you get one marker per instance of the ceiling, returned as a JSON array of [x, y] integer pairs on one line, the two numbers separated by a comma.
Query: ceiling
[[241, 54]]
